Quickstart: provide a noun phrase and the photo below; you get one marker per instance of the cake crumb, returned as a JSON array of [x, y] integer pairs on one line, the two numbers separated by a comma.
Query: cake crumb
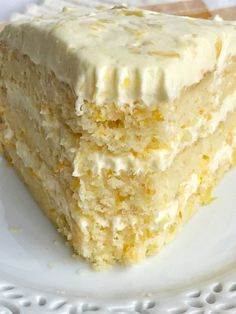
[[51, 265], [75, 256], [55, 242], [15, 229]]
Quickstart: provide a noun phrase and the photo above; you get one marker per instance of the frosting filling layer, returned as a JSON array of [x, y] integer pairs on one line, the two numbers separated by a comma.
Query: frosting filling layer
[[99, 159]]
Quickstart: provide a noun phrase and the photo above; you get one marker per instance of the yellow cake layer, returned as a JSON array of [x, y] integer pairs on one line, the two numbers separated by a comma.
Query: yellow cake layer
[[62, 152], [101, 214], [125, 239]]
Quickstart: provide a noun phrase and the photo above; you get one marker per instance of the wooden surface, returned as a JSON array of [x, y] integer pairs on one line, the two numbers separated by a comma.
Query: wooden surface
[[194, 8]]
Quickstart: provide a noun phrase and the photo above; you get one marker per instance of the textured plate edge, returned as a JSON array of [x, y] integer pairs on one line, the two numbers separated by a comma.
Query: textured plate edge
[[213, 297]]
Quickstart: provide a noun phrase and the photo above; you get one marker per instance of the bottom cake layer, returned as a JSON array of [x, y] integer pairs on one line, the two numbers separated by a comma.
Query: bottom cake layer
[[97, 242]]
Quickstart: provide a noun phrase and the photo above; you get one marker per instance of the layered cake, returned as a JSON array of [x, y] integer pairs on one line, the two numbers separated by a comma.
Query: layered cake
[[120, 121]]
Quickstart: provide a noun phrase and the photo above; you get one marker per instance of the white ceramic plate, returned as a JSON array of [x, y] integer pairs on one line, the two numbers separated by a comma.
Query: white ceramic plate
[[194, 274]]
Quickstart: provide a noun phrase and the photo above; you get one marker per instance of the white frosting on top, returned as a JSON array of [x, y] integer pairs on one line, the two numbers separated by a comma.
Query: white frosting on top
[[123, 55]]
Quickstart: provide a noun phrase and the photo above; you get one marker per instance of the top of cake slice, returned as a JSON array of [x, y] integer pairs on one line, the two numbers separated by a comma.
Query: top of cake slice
[[123, 56]]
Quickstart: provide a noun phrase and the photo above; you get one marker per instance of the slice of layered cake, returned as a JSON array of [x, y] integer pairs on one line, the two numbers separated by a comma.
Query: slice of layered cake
[[120, 122]]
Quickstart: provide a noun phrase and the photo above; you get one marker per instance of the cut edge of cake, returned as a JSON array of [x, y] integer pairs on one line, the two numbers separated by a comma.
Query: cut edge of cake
[[113, 214]]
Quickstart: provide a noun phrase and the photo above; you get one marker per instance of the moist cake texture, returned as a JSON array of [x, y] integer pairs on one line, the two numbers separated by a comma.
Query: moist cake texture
[[120, 121]]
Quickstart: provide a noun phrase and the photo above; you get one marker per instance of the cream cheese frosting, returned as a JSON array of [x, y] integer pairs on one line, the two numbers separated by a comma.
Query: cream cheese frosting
[[164, 218], [98, 160], [153, 57], [160, 159]]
